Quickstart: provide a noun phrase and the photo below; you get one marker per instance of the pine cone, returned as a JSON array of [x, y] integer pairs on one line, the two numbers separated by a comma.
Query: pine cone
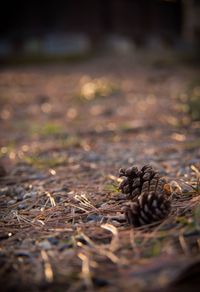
[[135, 182], [149, 207]]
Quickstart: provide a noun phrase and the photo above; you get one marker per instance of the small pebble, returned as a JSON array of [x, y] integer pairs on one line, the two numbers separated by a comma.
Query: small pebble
[[30, 195], [115, 223], [19, 198], [45, 244], [94, 217], [12, 202], [53, 240], [93, 157], [18, 191], [38, 176], [22, 206], [20, 169]]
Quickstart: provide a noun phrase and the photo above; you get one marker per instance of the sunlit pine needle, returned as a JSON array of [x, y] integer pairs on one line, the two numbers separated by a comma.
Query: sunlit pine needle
[[86, 274], [48, 272]]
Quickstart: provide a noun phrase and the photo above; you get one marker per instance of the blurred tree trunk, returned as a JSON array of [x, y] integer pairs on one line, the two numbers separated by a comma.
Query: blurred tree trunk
[[106, 15], [191, 21]]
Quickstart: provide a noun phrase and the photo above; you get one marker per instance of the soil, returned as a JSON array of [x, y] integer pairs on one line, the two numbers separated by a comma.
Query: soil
[[65, 132]]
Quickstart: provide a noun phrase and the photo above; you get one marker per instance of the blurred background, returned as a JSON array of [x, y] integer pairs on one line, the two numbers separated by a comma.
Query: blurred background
[[122, 88], [71, 28]]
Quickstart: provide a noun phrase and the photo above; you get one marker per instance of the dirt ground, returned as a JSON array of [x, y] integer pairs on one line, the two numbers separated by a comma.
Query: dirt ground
[[65, 132]]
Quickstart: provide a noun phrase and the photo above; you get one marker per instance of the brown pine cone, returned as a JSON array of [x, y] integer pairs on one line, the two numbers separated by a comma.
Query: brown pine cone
[[136, 182], [147, 208]]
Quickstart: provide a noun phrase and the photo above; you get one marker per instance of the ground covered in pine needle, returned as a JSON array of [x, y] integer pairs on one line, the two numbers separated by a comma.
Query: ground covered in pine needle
[[65, 132]]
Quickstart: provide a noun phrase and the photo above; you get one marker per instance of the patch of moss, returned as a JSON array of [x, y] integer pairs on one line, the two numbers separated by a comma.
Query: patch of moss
[[193, 100], [154, 249], [43, 162], [46, 129], [112, 188], [71, 141]]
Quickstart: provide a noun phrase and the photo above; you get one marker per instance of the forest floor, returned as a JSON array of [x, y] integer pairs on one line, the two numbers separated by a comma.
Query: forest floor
[[65, 132]]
